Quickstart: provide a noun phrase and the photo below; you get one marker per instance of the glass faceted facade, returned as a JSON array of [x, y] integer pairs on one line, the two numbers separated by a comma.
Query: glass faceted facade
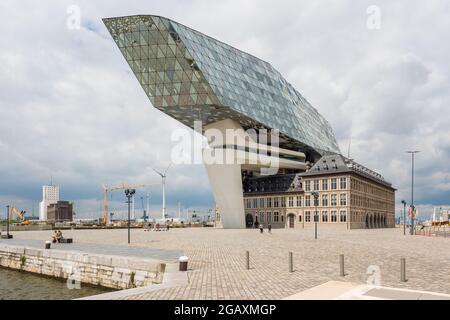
[[191, 76]]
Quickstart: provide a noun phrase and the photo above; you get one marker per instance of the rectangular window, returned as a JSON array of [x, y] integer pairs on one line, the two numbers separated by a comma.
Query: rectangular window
[[291, 202], [255, 203], [307, 201], [333, 200], [343, 199], [262, 203], [316, 184], [333, 184], [299, 218], [343, 183], [275, 202], [283, 202], [307, 185], [276, 216], [261, 217], [299, 201], [269, 202], [325, 200], [324, 216], [308, 216], [343, 216], [333, 216], [324, 184], [269, 217]]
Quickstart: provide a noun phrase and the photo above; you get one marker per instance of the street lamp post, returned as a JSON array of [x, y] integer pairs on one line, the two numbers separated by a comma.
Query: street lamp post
[[404, 217], [7, 236], [7, 221], [412, 189], [316, 216], [129, 194]]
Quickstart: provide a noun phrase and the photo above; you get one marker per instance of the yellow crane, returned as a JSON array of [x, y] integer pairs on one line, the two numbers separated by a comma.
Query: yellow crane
[[20, 214], [123, 186]]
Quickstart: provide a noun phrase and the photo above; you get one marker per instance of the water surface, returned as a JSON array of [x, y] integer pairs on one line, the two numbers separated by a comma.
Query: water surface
[[18, 285]]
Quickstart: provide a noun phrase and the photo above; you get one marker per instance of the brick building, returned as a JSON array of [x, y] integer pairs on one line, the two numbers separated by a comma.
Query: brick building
[[348, 193]]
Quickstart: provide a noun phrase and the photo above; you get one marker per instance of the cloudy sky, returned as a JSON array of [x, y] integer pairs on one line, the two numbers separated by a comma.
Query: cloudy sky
[[72, 111]]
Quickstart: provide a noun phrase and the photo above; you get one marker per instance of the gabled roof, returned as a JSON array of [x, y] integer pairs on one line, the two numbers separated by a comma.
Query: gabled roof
[[337, 164]]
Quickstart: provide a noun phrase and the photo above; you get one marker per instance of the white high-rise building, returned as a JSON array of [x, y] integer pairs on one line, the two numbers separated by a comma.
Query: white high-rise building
[[50, 195]]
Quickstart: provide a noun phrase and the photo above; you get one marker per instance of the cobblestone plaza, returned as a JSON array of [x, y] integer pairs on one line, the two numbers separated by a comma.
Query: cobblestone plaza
[[217, 265]]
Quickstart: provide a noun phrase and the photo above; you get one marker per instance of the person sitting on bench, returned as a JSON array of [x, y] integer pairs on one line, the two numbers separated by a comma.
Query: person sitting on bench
[[57, 236], [54, 237]]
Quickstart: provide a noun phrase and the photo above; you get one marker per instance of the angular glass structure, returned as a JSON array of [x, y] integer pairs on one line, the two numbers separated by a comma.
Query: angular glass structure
[[191, 76]]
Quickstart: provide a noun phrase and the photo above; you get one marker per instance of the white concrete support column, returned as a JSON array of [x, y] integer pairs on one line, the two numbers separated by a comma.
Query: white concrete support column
[[232, 149], [226, 183]]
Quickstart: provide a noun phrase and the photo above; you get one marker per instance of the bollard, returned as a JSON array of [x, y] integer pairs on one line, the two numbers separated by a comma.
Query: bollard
[[183, 263], [247, 259], [47, 244], [403, 270], [341, 265], [291, 261]]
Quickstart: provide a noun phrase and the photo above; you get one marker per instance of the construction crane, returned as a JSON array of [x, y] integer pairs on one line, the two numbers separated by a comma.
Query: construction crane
[[20, 214], [107, 189], [143, 210]]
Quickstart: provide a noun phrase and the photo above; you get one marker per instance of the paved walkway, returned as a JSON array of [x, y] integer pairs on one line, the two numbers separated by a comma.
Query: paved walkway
[[338, 290], [217, 259], [103, 249]]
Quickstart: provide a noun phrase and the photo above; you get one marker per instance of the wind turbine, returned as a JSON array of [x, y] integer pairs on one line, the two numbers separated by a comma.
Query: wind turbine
[[163, 178]]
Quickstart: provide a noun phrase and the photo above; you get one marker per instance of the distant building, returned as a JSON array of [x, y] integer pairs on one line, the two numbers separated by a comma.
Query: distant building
[[50, 195], [60, 212], [349, 194]]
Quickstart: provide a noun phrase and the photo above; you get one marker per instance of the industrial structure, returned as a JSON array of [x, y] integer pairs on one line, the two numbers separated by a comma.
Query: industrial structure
[[278, 134], [62, 211], [19, 214], [107, 189], [50, 195]]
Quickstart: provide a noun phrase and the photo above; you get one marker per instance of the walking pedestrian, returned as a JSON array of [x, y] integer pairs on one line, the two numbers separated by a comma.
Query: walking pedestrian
[[261, 228]]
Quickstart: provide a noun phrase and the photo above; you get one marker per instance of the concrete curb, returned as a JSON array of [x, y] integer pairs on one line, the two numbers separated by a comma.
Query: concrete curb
[[171, 278]]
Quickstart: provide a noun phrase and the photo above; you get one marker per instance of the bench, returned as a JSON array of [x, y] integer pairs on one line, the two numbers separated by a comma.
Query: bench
[[66, 240]]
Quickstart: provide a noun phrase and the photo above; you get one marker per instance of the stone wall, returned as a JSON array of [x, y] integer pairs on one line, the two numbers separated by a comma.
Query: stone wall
[[78, 267], [30, 227]]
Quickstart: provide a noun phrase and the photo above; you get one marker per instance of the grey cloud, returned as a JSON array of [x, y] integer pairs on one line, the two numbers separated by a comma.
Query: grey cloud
[[71, 108]]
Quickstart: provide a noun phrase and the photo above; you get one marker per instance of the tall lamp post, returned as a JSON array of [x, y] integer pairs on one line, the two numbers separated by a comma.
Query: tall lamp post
[[412, 189], [316, 215], [7, 236], [404, 217], [7, 222], [129, 194]]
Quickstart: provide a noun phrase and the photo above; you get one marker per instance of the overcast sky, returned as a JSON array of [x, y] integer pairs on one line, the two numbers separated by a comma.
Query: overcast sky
[[71, 109]]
